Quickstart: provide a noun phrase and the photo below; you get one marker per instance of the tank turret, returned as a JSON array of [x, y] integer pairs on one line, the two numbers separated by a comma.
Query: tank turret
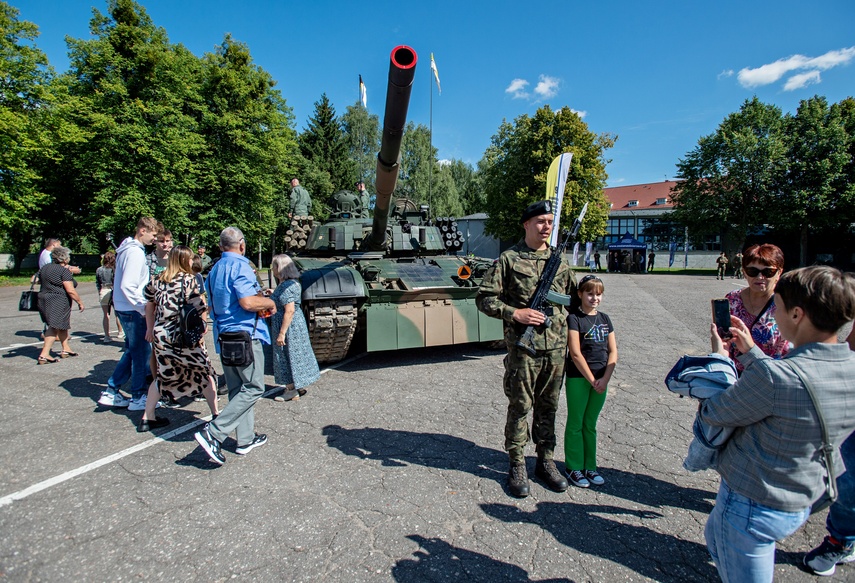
[[402, 71]]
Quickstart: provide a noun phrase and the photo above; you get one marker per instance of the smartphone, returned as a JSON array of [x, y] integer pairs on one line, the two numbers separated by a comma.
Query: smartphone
[[721, 317]]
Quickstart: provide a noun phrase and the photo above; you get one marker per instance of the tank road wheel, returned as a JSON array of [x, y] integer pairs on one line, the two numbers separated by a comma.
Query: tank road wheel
[[331, 327]]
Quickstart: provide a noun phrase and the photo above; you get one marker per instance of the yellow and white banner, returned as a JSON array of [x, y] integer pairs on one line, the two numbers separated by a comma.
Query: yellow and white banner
[[556, 180]]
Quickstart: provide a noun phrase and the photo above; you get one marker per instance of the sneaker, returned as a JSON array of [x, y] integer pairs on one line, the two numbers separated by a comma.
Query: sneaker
[[168, 403], [825, 558], [113, 399], [578, 479], [210, 445], [594, 477], [259, 440]]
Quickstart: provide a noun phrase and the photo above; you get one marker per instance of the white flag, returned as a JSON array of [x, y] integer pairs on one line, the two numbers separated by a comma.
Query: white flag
[[363, 94], [576, 253], [435, 73]]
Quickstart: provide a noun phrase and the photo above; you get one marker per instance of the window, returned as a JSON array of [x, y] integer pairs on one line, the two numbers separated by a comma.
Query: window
[[632, 203], [662, 201]]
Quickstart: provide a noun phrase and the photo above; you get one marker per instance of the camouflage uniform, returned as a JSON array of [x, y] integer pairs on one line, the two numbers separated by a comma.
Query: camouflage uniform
[[530, 381], [301, 201]]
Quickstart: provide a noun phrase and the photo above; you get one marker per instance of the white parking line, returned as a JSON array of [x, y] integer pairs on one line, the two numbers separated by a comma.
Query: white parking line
[[50, 482], [40, 342]]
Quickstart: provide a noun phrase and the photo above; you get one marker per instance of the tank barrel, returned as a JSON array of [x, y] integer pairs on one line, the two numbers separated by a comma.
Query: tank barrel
[[402, 70]]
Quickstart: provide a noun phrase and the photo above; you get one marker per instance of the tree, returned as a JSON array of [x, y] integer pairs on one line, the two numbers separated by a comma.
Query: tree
[[24, 102], [466, 183], [816, 192], [139, 106], [362, 136], [731, 177], [323, 145], [418, 158], [515, 166]]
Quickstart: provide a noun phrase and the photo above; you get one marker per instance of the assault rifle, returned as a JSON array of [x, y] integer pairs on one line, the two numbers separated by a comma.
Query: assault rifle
[[543, 294]]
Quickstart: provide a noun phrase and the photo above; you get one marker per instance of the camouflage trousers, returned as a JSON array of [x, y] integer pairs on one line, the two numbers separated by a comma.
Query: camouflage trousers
[[532, 383]]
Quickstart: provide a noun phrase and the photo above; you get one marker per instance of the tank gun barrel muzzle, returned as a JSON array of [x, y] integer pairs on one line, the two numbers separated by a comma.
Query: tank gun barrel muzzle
[[402, 71]]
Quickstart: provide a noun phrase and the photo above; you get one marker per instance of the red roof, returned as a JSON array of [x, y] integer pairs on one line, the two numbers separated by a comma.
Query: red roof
[[645, 194]]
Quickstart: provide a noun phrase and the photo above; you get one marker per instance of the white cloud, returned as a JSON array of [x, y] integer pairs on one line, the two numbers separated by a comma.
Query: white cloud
[[802, 80], [772, 72], [517, 89], [581, 114], [547, 87], [725, 74]]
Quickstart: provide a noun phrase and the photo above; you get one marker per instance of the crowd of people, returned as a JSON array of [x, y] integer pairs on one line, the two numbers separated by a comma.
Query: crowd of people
[[795, 388]]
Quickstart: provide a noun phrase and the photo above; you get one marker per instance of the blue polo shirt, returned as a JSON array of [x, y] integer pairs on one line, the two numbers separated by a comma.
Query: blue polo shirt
[[230, 279]]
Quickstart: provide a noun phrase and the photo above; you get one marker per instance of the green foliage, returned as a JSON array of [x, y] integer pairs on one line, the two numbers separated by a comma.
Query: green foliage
[[418, 158], [730, 178], [362, 136], [324, 146], [514, 170]]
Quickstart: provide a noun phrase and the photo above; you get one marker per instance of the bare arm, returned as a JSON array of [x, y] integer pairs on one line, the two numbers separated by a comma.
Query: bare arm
[[149, 321], [602, 383], [575, 348], [287, 316], [257, 304], [72, 293]]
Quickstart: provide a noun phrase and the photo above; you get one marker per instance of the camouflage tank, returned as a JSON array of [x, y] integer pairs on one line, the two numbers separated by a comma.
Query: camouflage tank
[[390, 276]]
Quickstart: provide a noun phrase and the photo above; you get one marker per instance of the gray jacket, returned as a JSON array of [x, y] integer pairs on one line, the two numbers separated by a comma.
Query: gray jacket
[[774, 452]]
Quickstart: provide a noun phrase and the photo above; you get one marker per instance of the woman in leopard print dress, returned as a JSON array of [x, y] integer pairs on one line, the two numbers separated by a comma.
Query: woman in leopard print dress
[[181, 372]]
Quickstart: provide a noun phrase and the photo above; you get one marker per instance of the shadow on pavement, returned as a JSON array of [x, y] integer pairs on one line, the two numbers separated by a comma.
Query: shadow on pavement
[[440, 561], [654, 492], [658, 556], [435, 450]]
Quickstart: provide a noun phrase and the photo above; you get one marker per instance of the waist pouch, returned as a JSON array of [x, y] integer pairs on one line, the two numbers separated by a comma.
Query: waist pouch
[[236, 348]]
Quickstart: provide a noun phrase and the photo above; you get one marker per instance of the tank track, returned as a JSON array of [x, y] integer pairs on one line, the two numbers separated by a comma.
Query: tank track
[[331, 327]]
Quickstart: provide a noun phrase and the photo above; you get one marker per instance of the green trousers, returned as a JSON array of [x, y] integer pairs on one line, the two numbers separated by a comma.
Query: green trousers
[[580, 433]]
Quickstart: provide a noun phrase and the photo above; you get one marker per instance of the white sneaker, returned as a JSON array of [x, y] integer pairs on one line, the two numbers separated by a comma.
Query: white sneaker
[[113, 399], [139, 404]]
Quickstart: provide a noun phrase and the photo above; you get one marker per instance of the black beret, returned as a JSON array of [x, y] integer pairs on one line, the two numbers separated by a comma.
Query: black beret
[[543, 207]]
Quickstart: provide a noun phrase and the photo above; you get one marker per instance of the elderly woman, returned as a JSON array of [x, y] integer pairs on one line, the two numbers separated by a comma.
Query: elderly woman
[[55, 297], [181, 371], [294, 363], [104, 282], [755, 304]]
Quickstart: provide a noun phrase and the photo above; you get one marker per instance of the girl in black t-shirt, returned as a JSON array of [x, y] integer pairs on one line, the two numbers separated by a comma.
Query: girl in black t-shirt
[[590, 364]]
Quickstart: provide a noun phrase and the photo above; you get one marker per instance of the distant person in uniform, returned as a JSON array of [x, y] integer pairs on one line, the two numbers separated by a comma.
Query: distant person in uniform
[[205, 258], [651, 257], [364, 198], [530, 382], [301, 200], [597, 261], [737, 265], [721, 261]]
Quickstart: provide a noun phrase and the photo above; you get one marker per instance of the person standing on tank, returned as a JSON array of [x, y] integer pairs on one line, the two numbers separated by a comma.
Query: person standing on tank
[[531, 383], [301, 200], [364, 199]]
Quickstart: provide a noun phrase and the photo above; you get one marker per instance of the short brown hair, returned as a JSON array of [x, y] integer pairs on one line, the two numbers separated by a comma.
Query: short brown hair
[[149, 224], [591, 282], [767, 254], [826, 294], [109, 260]]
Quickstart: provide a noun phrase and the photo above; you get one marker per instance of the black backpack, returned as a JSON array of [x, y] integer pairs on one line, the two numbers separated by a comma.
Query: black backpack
[[191, 320]]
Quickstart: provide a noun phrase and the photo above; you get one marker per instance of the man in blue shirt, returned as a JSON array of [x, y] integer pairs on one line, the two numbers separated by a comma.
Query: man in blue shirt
[[235, 300]]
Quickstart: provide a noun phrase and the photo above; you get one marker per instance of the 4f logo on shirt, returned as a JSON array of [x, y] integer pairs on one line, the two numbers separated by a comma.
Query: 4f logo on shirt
[[597, 333]]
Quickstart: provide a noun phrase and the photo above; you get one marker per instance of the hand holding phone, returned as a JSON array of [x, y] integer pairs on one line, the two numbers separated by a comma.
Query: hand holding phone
[[721, 318]]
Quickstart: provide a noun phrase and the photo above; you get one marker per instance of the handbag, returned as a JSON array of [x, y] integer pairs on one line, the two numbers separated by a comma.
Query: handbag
[[827, 449], [235, 347], [191, 323], [29, 301]]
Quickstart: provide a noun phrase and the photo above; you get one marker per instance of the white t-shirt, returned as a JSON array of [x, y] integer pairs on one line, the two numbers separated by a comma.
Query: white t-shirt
[[44, 258]]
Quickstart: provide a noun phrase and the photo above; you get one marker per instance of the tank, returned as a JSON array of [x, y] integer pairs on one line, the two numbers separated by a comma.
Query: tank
[[391, 275]]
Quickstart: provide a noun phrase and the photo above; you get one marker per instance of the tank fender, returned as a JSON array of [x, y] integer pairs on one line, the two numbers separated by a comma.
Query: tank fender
[[335, 281]]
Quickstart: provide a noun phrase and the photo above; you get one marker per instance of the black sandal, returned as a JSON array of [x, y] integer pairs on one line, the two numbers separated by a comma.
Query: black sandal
[[66, 354]]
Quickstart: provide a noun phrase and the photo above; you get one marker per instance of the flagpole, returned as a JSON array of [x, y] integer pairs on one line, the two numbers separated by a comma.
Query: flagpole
[[430, 140]]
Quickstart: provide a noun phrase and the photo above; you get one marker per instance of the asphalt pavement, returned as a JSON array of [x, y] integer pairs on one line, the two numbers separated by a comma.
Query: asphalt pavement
[[390, 469]]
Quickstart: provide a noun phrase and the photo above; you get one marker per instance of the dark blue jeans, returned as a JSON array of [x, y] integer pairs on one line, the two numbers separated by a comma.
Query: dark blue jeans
[[134, 364], [841, 515]]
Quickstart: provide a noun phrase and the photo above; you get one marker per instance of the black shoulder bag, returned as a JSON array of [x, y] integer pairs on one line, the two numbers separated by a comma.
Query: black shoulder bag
[[29, 301], [235, 347]]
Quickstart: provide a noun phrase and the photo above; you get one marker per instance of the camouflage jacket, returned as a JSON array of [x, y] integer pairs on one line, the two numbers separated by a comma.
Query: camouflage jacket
[[509, 285], [301, 201]]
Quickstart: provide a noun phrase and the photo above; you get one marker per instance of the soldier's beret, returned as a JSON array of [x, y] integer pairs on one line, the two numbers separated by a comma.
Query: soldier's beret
[[543, 207]]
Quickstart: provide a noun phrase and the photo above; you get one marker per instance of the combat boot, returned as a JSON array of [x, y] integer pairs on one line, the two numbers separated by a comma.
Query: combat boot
[[518, 480], [546, 471]]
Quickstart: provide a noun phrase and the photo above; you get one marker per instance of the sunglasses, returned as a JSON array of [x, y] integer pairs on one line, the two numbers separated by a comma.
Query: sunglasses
[[766, 271]]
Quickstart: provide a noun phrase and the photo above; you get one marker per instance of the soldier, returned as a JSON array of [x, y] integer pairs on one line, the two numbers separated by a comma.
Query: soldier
[[301, 200], [530, 382], [364, 198]]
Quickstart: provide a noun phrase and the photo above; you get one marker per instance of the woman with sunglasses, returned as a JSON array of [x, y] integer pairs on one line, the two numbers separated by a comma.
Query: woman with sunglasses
[[755, 304]]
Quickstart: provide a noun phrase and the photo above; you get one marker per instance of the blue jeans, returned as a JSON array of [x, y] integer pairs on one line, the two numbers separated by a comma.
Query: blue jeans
[[841, 515], [246, 385], [134, 363], [741, 536]]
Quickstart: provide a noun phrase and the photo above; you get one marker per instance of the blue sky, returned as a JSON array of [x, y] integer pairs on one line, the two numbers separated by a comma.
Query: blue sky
[[659, 75]]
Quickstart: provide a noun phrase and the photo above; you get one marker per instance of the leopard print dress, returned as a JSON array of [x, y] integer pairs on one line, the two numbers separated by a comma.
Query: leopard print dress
[[181, 371]]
